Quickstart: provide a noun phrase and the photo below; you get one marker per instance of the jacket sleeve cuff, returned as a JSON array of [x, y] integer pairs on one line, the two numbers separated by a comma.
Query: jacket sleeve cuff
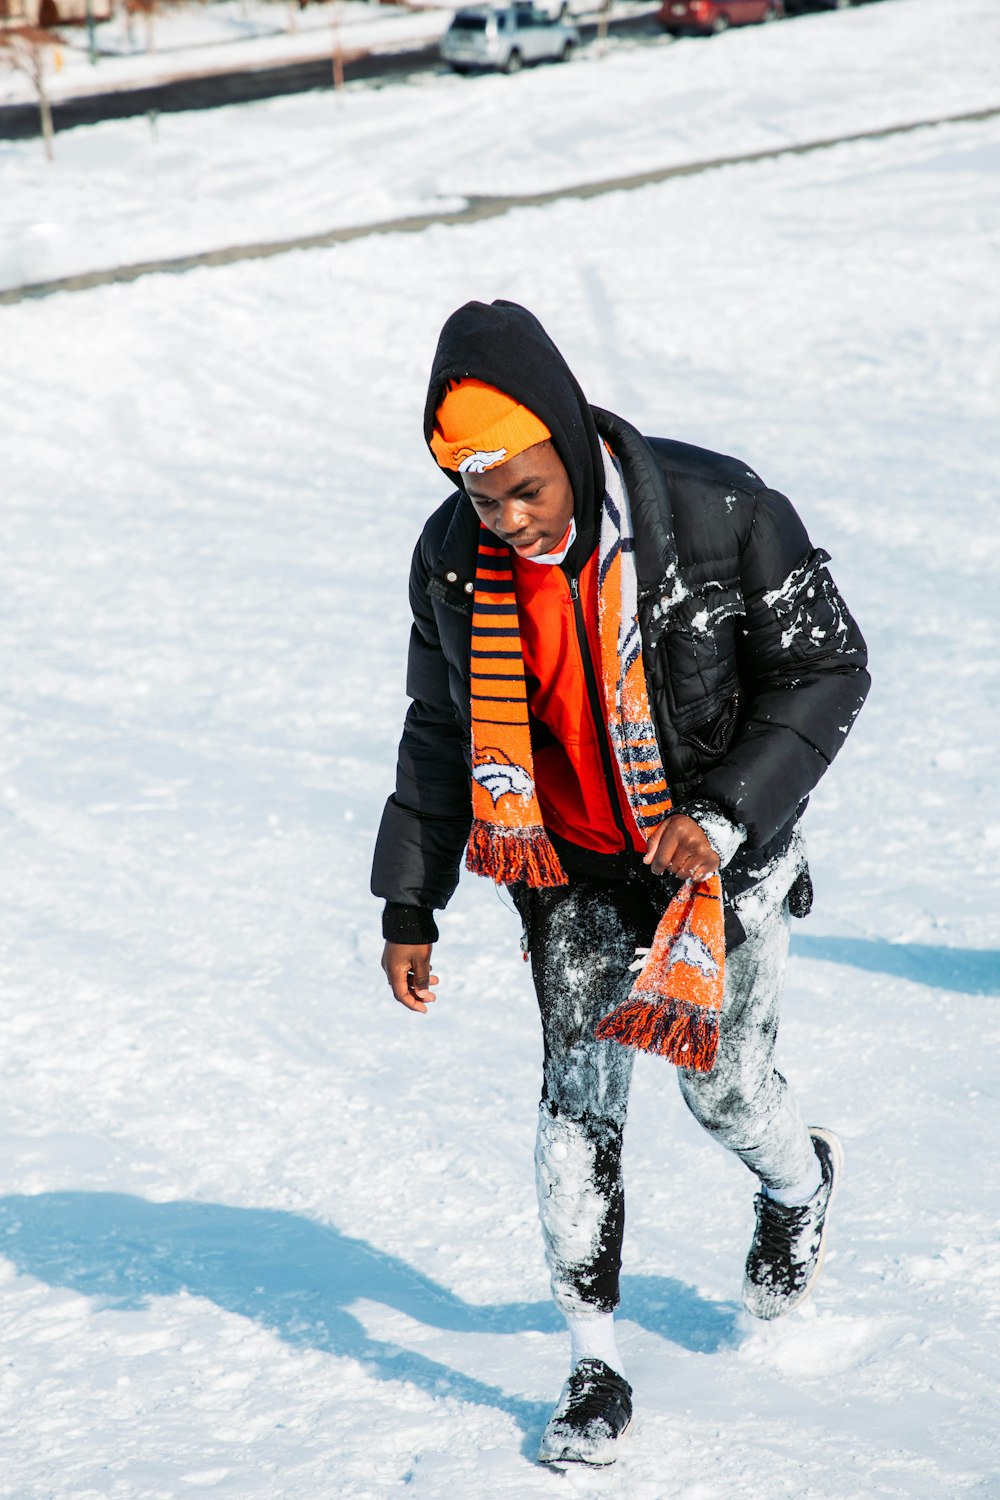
[[722, 833], [408, 924]]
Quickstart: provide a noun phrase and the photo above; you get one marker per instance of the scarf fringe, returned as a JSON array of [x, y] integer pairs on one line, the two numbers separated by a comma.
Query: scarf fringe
[[687, 1035], [510, 856]]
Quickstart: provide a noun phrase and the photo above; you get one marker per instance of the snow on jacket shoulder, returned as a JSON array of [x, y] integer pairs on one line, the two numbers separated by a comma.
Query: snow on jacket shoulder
[[755, 668]]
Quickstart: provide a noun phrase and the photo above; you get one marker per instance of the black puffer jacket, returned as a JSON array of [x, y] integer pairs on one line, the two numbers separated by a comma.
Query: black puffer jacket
[[754, 667], [755, 675]]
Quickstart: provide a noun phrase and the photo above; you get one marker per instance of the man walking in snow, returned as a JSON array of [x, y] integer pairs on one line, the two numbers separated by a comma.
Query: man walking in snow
[[629, 668]]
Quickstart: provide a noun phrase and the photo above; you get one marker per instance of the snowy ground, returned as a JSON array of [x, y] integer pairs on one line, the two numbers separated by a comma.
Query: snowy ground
[[264, 1234], [121, 192]]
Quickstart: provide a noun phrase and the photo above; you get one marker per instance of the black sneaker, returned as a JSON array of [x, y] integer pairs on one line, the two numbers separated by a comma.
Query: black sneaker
[[788, 1245], [594, 1411]]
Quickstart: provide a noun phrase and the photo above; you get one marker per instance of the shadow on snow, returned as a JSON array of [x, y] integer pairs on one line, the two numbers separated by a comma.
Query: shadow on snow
[[968, 971], [299, 1279]]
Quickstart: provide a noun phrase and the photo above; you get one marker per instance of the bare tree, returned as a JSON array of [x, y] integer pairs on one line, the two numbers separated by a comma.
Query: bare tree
[[603, 18], [26, 49], [338, 48], [148, 9]]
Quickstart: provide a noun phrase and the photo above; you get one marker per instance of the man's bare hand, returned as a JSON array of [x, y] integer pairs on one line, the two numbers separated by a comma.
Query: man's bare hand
[[408, 969], [680, 846]]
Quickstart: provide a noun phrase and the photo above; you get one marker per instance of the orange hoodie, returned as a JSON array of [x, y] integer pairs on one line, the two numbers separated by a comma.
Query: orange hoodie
[[571, 779]]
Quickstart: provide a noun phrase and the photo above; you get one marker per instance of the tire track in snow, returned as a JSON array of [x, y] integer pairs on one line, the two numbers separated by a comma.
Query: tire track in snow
[[474, 210]]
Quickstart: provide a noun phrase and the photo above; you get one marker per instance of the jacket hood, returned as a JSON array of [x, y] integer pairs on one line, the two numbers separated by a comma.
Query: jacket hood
[[504, 345]]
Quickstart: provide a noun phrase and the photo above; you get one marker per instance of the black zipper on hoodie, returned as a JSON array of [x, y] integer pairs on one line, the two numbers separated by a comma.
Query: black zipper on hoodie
[[596, 709]]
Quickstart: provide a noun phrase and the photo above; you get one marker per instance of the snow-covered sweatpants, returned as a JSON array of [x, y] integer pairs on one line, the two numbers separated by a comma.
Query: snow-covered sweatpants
[[583, 938]]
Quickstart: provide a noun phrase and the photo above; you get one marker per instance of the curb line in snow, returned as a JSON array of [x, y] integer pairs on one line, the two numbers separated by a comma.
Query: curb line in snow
[[474, 210]]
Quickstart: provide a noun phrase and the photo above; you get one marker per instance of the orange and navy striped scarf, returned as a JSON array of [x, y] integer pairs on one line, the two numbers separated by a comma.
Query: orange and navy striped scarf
[[675, 1003]]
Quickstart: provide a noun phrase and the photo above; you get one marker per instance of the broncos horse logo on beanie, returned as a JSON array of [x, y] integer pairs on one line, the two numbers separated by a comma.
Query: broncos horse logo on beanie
[[479, 462], [477, 427]]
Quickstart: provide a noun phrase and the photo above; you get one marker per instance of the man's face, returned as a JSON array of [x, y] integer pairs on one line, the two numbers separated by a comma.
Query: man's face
[[527, 502]]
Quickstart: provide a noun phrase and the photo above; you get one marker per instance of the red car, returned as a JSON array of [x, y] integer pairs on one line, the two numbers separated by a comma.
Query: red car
[[705, 17]]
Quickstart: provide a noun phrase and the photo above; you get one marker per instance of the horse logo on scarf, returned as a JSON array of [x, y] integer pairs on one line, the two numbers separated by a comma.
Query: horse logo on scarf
[[500, 776], [689, 949]]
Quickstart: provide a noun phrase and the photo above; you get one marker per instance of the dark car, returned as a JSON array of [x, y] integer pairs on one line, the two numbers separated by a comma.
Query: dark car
[[708, 17]]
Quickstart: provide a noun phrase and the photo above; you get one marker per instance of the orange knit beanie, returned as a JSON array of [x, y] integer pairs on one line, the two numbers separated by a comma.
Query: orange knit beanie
[[477, 427]]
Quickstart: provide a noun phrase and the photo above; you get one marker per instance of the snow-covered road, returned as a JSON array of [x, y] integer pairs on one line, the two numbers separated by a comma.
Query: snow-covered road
[[263, 1234]]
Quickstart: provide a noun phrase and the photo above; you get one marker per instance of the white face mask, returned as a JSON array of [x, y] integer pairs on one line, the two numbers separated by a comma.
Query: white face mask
[[552, 558]]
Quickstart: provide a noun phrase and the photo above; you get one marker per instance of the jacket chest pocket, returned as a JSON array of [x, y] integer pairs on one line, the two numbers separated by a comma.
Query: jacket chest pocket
[[696, 654]]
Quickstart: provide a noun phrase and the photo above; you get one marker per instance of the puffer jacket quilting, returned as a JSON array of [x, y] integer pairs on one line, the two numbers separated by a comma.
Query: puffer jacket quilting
[[754, 666]]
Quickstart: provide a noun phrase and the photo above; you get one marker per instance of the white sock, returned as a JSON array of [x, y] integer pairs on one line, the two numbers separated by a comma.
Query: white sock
[[798, 1193], [594, 1338]]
